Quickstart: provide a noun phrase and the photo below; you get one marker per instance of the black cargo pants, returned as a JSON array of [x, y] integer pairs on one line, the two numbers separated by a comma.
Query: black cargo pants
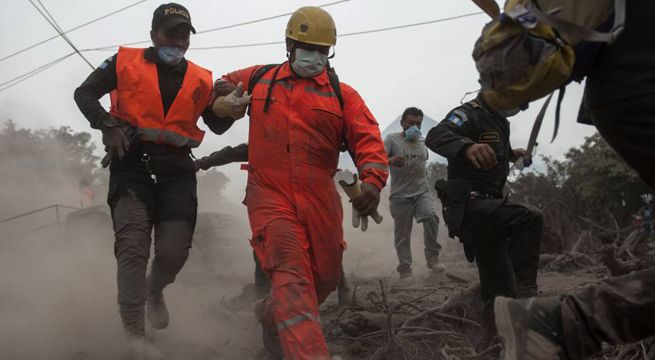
[[616, 311], [628, 125], [505, 239], [139, 203]]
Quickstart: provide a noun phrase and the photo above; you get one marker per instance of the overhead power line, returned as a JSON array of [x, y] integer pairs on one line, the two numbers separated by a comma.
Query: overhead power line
[[113, 47], [264, 19], [19, 79], [51, 20], [355, 33], [71, 30]]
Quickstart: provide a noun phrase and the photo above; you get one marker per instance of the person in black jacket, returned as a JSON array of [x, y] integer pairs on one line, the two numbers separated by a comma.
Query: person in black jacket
[[157, 98], [620, 96], [503, 237]]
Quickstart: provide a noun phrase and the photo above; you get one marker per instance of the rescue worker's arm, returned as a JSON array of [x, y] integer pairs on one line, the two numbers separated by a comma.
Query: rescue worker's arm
[[450, 139], [362, 135], [239, 76], [217, 125], [236, 102], [224, 156], [115, 133], [87, 96]]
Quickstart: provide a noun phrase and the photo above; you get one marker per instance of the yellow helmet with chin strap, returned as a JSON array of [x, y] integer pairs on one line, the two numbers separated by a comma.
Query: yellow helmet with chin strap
[[312, 25]]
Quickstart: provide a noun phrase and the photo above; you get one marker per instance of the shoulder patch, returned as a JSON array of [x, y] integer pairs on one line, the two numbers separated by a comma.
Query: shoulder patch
[[462, 115], [106, 63], [457, 117]]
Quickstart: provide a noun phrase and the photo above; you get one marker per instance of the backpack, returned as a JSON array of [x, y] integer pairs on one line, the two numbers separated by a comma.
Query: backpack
[[334, 83], [259, 74], [538, 46]]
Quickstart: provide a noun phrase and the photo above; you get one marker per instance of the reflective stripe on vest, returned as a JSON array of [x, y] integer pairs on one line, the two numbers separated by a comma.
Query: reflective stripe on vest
[[295, 320], [372, 165], [137, 99]]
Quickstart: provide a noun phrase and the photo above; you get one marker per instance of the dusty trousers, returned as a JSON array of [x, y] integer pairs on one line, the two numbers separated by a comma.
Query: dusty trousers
[[139, 205], [404, 211], [299, 245], [506, 240], [263, 282], [616, 311], [628, 126]]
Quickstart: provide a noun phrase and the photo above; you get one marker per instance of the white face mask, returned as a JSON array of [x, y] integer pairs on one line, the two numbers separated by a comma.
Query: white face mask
[[308, 63], [170, 55]]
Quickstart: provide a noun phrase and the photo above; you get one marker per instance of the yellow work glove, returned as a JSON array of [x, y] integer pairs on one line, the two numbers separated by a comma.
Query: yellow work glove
[[361, 222], [233, 105], [352, 188]]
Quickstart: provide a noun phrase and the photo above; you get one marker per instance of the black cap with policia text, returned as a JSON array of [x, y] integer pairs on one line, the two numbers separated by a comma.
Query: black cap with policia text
[[168, 16]]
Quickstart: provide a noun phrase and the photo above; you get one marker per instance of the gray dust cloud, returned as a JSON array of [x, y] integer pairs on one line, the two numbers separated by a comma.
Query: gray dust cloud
[[58, 272]]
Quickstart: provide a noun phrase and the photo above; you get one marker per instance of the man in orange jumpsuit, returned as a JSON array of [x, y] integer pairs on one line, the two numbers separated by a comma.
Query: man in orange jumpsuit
[[299, 118]]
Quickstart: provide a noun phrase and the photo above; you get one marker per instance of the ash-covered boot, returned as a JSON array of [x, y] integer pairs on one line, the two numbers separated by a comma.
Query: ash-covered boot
[[133, 322], [139, 347], [156, 307], [344, 291], [270, 335]]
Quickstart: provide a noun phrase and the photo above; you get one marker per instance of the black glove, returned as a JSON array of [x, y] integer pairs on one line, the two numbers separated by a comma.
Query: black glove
[[116, 141], [200, 164]]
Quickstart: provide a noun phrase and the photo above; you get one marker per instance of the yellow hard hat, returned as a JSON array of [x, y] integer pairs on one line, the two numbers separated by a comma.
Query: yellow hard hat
[[312, 25]]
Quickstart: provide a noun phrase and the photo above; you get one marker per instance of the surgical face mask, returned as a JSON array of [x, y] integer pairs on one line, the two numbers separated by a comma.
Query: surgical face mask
[[509, 112], [308, 63], [412, 133], [170, 55]]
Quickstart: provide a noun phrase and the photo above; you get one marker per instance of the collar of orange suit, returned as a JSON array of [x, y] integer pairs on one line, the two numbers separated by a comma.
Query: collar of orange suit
[[286, 72]]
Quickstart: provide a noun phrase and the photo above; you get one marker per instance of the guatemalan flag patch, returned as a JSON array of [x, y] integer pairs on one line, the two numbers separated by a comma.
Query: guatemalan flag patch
[[455, 119]]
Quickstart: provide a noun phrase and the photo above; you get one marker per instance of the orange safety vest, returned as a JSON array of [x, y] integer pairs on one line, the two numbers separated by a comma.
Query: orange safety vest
[[137, 99]]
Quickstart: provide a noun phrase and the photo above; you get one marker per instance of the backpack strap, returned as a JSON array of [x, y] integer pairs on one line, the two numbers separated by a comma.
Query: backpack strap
[[256, 76], [560, 97], [335, 84]]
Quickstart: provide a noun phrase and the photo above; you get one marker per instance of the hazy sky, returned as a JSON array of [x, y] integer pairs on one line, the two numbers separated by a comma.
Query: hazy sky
[[427, 66]]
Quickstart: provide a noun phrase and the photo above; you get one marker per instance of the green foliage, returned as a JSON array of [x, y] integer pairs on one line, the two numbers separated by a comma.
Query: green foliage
[[26, 153], [591, 181]]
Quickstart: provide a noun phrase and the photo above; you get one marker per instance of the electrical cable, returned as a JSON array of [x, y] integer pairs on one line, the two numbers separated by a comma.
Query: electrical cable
[[44, 67], [338, 36], [71, 30], [113, 47], [346, 34], [19, 79], [54, 24], [264, 19]]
